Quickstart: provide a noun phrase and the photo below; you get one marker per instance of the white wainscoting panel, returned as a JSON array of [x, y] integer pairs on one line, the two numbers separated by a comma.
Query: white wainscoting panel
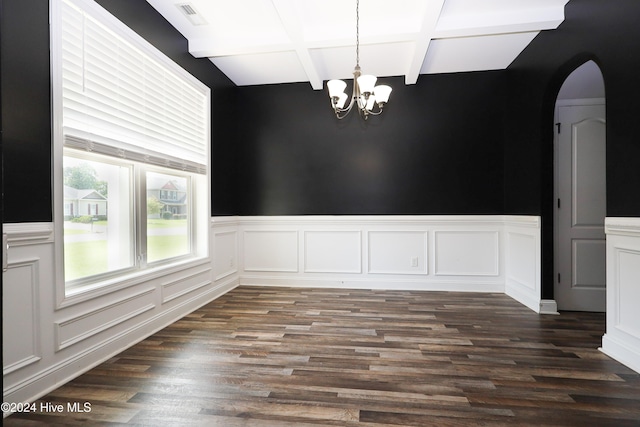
[[622, 339], [271, 250], [180, 285], [397, 252], [522, 251], [226, 249], [467, 253], [332, 251], [81, 327], [456, 253], [523, 264], [225, 253], [20, 315], [628, 272]]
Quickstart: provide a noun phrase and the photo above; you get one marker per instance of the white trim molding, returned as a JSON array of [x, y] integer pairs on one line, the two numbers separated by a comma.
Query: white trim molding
[[622, 338], [523, 262], [483, 253], [30, 233]]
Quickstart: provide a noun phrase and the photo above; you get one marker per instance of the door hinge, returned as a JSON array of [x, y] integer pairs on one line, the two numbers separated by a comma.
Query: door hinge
[[558, 277], [558, 203], [558, 126]]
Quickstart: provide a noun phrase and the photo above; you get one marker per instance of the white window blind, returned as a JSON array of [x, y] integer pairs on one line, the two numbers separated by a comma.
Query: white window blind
[[119, 100]]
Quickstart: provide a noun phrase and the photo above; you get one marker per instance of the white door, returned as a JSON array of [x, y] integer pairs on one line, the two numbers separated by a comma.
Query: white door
[[581, 208]]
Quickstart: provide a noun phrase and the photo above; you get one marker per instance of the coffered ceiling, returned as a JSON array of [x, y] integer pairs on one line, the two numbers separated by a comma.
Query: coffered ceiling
[[258, 42]]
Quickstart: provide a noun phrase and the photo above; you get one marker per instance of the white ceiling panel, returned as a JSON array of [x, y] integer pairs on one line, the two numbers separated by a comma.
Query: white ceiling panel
[[263, 68], [277, 41], [479, 53]]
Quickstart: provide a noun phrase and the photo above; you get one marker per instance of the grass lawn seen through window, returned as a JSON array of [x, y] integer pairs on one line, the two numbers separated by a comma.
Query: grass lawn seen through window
[[86, 249]]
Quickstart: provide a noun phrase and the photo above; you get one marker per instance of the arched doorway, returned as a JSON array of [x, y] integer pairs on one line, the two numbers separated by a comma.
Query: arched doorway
[[580, 190]]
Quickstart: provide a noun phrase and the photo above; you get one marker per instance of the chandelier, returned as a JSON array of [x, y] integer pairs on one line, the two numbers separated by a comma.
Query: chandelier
[[369, 98]]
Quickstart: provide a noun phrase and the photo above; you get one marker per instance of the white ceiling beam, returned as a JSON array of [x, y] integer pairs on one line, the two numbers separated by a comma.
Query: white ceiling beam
[[201, 48], [499, 22], [292, 25], [364, 40], [429, 21], [204, 47], [486, 30]]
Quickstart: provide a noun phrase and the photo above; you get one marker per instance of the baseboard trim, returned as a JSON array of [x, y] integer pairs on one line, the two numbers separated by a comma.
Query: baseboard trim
[[368, 283], [548, 306], [621, 351]]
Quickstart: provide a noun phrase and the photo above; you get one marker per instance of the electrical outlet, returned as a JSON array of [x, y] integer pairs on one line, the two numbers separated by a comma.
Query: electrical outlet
[[414, 261]]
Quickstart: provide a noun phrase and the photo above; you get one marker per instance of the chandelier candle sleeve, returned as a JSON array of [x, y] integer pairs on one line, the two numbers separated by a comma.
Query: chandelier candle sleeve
[[382, 93], [336, 88], [367, 82]]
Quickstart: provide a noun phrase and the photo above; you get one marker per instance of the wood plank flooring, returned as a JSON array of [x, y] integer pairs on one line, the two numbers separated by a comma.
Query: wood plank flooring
[[309, 357]]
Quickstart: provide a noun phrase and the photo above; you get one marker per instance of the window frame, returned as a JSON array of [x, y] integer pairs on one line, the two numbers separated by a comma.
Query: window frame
[[199, 191]]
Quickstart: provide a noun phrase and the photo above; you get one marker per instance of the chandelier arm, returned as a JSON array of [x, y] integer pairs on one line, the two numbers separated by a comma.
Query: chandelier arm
[[341, 116], [379, 111], [345, 110], [375, 113]]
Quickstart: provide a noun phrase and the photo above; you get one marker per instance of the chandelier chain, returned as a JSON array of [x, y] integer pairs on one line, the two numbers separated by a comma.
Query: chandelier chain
[[358, 33]]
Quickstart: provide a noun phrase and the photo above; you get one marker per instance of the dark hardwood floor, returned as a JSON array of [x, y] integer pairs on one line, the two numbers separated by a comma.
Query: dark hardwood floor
[[308, 357]]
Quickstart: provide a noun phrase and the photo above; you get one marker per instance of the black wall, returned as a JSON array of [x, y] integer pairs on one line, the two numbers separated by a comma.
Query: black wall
[[608, 33], [26, 111], [437, 149]]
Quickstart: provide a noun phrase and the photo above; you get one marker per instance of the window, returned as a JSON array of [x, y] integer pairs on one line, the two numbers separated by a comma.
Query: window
[[132, 136], [167, 220], [95, 245]]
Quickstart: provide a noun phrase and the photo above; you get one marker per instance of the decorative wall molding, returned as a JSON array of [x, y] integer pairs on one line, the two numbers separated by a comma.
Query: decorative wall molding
[[28, 233], [523, 262], [21, 283], [410, 245], [332, 251], [91, 322], [270, 250], [467, 253], [622, 226], [450, 253], [183, 284], [225, 253], [622, 338]]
